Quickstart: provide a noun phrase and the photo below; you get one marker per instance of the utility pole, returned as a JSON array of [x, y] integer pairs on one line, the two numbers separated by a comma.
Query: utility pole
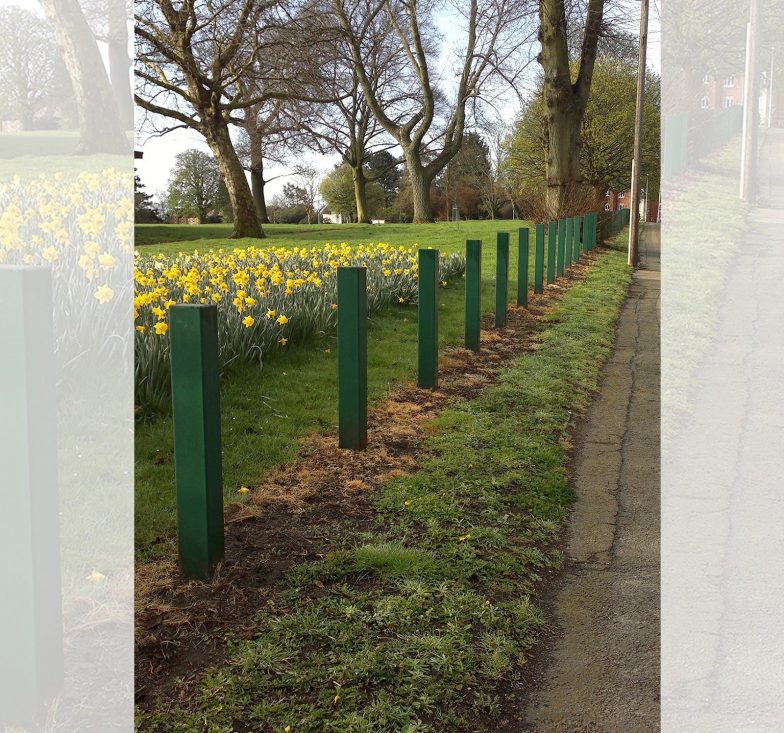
[[748, 153], [770, 92], [634, 214]]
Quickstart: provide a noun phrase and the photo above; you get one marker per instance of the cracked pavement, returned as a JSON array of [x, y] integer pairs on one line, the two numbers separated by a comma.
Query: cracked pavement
[[723, 542], [602, 672]]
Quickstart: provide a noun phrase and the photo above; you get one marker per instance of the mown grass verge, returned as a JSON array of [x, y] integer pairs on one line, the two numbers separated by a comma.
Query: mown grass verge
[[426, 619]]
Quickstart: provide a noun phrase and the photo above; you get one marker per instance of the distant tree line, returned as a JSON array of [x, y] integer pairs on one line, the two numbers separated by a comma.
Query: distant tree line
[[363, 79]]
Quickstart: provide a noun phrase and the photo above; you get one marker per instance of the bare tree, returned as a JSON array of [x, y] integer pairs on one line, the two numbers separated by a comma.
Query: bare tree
[[100, 125], [27, 63], [108, 20], [193, 61], [346, 124], [304, 191], [263, 134], [384, 27]]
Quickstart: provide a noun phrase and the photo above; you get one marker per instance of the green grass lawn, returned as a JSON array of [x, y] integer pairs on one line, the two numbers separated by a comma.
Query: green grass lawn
[[449, 236], [265, 412], [34, 153], [422, 622]]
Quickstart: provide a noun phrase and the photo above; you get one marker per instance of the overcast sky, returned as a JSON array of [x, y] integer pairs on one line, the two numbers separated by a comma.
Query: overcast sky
[[159, 152]]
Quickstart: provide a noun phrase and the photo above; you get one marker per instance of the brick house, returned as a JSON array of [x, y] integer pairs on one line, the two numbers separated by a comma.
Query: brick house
[[619, 200], [722, 92]]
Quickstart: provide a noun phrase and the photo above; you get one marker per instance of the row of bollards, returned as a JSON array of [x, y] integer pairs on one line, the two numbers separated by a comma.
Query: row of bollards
[[194, 367]]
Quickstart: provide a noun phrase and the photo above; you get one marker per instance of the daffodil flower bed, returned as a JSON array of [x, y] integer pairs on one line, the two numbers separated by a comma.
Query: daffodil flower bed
[[267, 298], [81, 227]]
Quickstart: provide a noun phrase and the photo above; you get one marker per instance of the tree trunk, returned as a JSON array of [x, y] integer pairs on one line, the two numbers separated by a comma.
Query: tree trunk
[[100, 128], [243, 207], [420, 189], [119, 61], [563, 158], [565, 100], [257, 183], [360, 195], [256, 166]]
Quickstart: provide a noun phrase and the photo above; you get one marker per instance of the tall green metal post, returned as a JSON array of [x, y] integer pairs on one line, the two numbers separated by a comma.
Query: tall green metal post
[[552, 233], [501, 278], [428, 319], [473, 294], [539, 258], [31, 643], [569, 245], [578, 221], [352, 357], [522, 266], [193, 333], [563, 234]]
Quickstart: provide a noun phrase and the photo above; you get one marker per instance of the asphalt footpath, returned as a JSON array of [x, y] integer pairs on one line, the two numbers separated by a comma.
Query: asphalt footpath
[[601, 668]]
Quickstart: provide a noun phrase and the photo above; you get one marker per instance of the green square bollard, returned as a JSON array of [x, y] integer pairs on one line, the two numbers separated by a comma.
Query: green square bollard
[[501, 278], [428, 319], [522, 266], [473, 294], [31, 643], [563, 233], [352, 357], [569, 245], [593, 231], [552, 233], [587, 231], [578, 220], [193, 334], [539, 258]]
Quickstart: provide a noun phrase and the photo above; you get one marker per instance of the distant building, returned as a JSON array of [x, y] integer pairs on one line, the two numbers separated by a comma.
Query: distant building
[[329, 217], [727, 91], [722, 92], [619, 200]]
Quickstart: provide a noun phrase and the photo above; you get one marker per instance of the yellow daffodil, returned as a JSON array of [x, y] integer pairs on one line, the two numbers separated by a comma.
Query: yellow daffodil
[[248, 321], [282, 320], [103, 294], [270, 313], [50, 254], [161, 328], [243, 490], [283, 341]]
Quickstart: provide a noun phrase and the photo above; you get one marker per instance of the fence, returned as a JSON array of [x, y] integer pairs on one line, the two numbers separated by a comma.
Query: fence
[[615, 222], [194, 364], [691, 136]]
